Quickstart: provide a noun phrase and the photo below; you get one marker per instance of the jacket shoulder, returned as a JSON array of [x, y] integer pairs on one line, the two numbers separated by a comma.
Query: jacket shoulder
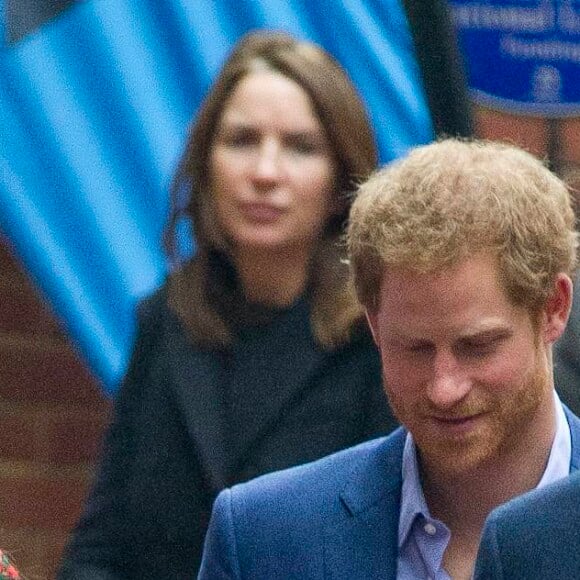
[[277, 522], [314, 486], [541, 508], [519, 537]]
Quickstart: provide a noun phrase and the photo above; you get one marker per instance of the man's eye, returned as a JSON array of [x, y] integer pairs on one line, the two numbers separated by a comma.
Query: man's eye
[[479, 349], [420, 348]]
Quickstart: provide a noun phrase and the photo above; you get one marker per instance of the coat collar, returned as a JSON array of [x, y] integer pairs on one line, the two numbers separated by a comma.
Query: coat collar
[[197, 379], [201, 378]]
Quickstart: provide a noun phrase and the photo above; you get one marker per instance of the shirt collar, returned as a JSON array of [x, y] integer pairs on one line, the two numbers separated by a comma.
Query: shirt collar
[[413, 502], [558, 465]]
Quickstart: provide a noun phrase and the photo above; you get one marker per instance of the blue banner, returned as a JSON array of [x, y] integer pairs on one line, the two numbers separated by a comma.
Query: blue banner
[[94, 106], [523, 55]]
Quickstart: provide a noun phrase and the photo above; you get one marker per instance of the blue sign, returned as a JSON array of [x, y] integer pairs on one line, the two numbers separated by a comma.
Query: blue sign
[[522, 55]]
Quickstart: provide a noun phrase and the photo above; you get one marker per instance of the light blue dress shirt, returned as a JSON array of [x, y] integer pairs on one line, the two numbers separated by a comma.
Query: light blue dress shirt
[[422, 538]]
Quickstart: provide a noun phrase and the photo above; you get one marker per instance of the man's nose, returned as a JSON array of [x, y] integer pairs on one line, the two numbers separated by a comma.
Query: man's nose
[[449, 383]]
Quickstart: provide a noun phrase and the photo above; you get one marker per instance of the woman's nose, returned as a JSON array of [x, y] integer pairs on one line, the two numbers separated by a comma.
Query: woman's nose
[[267, 163]]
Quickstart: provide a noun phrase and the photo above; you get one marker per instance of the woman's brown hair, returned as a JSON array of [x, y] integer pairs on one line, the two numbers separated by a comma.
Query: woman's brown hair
[[199, 291]]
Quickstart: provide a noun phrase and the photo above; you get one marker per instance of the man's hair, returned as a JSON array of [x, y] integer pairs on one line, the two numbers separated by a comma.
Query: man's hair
[[453, 199]]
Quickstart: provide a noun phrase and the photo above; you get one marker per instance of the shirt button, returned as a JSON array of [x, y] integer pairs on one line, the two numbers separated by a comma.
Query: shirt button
[[430, 529]]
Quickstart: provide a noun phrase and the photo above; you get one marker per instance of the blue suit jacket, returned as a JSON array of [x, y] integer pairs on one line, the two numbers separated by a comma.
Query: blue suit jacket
[[336, 518], [534, 537]]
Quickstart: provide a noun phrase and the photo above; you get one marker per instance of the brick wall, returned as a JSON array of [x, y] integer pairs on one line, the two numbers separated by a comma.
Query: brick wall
[[52, 415], [557, 139]]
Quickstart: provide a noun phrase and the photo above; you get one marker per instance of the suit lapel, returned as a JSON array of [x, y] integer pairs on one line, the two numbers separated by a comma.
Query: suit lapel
[[198, 379], [363, 542], [201, 378]]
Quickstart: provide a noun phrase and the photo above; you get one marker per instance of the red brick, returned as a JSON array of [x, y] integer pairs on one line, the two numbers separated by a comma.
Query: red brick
[[53, 414], [31, 370], [17, 435], [23, 312], [52, 549], [42, 501], [62, 435], [570, 133], [8, 263], [76, 438], [531, 133]]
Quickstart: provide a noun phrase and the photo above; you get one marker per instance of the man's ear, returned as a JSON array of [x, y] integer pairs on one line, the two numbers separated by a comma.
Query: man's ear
[[372, 319], [556, 311]]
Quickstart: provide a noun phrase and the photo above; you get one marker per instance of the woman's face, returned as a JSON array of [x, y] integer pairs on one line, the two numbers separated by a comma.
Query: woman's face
[[271, 167]]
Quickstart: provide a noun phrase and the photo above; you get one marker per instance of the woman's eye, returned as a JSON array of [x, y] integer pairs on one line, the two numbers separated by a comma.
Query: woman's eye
[[304, 144], [304, 147], [240, 140]]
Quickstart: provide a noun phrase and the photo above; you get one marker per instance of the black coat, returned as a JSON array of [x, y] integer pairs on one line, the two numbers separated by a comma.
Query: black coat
[[169, 450]]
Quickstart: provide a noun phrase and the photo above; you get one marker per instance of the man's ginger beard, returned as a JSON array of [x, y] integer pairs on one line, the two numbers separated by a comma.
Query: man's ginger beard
[[507, 421]]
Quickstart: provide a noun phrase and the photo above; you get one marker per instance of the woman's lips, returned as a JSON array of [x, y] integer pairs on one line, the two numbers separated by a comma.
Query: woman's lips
[[261, 212]]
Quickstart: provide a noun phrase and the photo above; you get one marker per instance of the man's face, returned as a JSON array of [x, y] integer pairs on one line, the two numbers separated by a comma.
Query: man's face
[[466, 371]]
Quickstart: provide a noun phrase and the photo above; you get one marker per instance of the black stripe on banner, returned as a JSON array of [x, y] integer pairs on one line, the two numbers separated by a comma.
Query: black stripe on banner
[[23, 17]]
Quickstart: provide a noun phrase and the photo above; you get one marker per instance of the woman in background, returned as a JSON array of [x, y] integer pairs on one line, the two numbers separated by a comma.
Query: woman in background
[[254, 356]]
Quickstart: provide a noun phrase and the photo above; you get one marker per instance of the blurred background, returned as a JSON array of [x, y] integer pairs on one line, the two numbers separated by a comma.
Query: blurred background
[[95, 100]]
